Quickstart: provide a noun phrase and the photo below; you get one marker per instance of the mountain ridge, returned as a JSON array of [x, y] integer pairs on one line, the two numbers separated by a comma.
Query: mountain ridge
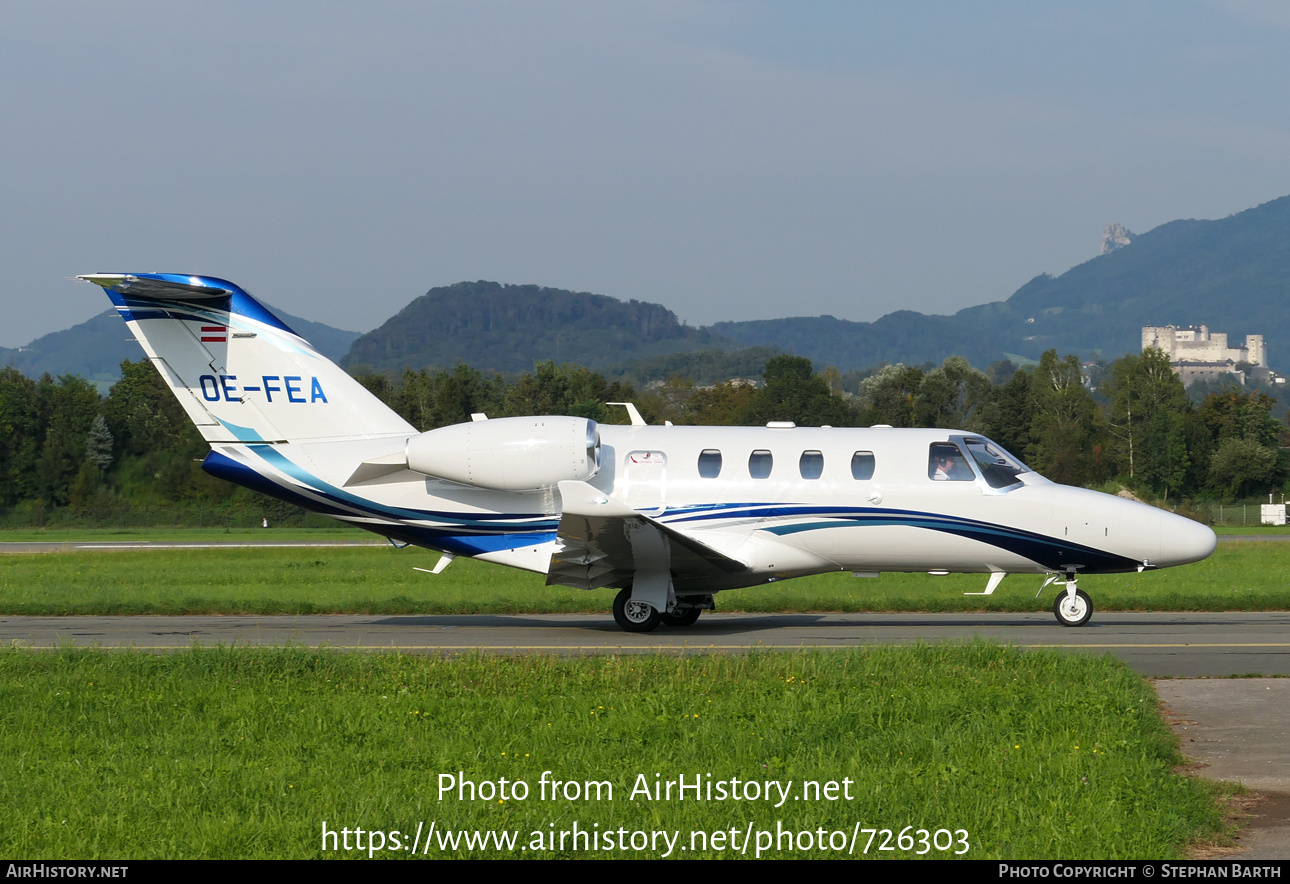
[[1231, 274]]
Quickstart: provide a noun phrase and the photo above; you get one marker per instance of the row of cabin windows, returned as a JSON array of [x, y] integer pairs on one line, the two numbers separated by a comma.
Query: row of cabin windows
[[810, 465]]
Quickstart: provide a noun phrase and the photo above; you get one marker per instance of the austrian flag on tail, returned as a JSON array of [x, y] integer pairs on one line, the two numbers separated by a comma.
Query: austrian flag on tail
[[214, 334]]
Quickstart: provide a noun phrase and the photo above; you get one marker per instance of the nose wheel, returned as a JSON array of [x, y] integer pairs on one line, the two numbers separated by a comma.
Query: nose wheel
[[1073, 606]]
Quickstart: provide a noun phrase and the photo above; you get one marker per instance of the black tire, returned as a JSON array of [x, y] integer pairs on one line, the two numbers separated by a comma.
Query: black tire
[[1072, 612], [682, 617], [635, 616]]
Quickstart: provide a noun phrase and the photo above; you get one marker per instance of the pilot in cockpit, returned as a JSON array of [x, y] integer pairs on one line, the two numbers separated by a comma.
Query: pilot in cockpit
[[945, 464]]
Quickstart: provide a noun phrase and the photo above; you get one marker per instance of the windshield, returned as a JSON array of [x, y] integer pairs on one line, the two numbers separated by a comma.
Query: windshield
[[999, 468]]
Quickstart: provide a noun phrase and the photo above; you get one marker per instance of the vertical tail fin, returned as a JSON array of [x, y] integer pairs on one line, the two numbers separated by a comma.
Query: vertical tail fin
[[239, 372]]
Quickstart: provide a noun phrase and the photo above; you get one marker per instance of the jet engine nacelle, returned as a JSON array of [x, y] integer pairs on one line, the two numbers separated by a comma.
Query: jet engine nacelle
[[509, 453]]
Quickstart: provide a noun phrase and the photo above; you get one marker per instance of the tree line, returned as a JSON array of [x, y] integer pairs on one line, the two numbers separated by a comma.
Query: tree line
[[69, 446]]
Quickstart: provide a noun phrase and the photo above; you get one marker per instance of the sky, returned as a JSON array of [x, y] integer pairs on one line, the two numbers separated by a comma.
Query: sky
[[730, 160]]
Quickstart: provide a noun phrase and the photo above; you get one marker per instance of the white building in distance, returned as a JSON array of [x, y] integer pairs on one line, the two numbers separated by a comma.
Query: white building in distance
[[1196, 353]]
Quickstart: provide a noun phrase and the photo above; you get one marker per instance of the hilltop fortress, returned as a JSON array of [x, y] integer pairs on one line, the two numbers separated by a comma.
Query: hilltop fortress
[[1196, 353]]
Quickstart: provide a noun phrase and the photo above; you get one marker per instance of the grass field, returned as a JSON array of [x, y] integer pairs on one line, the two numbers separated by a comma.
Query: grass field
[[340, 532], [1252, 530], [1238, 577], [246, 753]]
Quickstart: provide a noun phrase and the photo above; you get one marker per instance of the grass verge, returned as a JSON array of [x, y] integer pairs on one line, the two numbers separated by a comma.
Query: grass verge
[[340, 531], [1238, 577], [242, 753]]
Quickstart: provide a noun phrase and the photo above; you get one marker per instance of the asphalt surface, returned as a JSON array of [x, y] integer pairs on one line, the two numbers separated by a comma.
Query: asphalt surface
[[1239, 730], [1155, 644]]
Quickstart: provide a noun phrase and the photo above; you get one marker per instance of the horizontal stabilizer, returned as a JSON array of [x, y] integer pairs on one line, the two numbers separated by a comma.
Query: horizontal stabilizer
[[167, 287]]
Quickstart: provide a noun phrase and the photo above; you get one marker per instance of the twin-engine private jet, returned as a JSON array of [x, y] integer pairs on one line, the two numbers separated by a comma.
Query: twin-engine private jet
[[668, 515]]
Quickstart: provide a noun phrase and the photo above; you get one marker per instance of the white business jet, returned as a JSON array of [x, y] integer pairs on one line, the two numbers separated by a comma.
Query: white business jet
[[669, 515]]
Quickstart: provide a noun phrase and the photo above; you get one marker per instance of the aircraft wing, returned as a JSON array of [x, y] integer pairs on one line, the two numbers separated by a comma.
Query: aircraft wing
[[605, 542]]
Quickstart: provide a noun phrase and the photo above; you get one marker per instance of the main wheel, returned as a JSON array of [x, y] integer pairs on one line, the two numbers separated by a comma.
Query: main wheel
[[1072, 612], [682, 617], [634, 616]]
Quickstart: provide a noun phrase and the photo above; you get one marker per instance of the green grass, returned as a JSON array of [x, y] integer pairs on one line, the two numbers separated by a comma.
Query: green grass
[[1238, 577], [183, 535], [1251, 530], [241, 753]]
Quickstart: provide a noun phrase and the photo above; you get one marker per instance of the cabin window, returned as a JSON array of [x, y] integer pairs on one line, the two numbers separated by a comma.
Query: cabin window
[[811, 464], [759, 464], [945, 463], [862, 465], [709, 463]]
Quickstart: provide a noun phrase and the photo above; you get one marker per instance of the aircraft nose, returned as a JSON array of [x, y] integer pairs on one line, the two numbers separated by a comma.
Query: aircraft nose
[[1183, 540]]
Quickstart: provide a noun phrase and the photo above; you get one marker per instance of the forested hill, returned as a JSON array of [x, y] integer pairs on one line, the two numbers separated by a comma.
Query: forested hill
[[904, 336], [95, 349], [1232, 275], [508, 328]]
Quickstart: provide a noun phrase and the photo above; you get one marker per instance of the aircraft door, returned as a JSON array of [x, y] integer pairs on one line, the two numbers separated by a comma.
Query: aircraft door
[[645, 481]]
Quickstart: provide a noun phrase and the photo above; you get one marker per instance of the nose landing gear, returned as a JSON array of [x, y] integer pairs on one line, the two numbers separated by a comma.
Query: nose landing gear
[[1072, 607]]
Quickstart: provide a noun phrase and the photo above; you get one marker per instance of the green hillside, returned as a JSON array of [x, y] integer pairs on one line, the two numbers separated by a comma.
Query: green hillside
[[508, 328], [904, 336], [1232, 275], [95, 349]]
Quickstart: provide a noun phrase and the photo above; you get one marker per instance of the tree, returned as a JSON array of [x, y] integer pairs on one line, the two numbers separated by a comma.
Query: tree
[[1141, 387], [1009, 414], [1248, 455], [565, 389], [20, 424], [1242, 466], [1066, 438], [158, 447], [1164, 456], [68, 407], [951, 396], [794, 392], [887, 397], [143, 415], [1232, 414], [722, 405]]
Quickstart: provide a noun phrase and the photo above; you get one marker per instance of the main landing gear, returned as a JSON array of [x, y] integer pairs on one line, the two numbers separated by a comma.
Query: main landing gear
[[634, 616], [637, 616], [1072, 607]]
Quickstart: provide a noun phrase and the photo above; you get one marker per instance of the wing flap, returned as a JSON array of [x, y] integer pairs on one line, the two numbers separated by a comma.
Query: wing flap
[[605, 542]]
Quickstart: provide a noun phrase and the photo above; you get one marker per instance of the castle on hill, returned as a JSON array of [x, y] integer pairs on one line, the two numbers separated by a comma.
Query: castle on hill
[[1196, 353]]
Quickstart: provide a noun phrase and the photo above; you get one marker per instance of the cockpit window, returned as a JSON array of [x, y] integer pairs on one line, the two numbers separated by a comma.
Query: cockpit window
[[945, 463], [862, 463], [709, 463], [811, 464], [759, 464], [998, 466]]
